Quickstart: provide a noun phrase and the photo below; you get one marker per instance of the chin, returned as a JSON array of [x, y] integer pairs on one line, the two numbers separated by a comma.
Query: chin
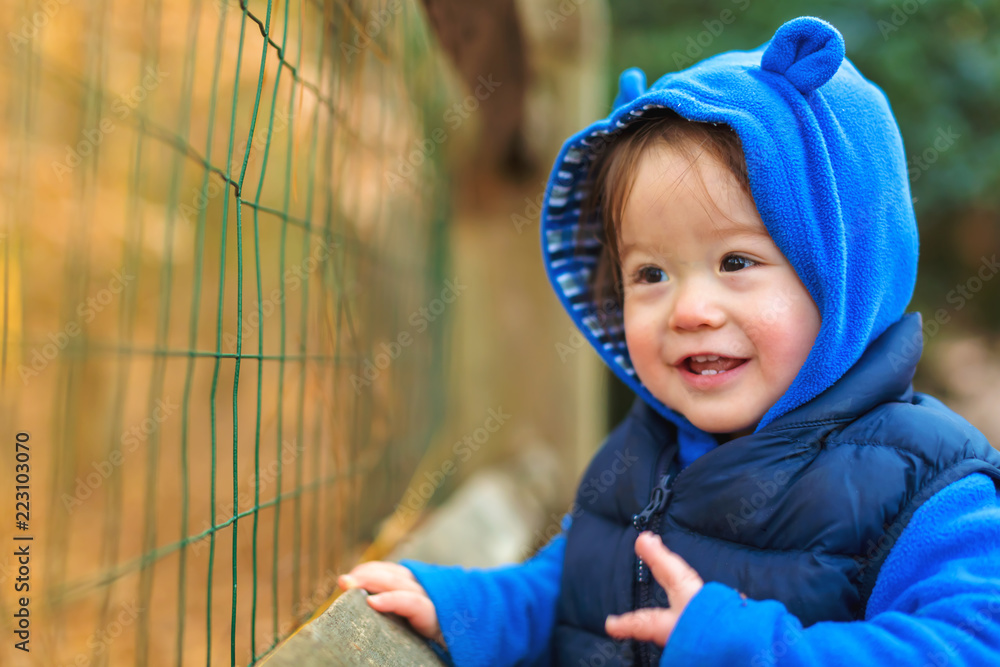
[[733, 429]]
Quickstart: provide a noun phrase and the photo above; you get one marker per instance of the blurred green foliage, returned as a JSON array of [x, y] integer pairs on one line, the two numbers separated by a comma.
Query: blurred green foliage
[[939, 64]]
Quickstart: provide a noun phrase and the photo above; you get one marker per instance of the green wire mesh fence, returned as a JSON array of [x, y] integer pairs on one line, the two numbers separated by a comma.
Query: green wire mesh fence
[[219, 228]]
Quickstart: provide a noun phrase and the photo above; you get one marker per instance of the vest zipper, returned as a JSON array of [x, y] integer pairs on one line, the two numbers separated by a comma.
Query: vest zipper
[[648, 518], [657, 501], [646, 659]]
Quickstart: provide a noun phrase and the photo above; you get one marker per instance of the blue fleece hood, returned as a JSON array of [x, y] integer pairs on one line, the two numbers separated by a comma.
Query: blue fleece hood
[[828, 175]]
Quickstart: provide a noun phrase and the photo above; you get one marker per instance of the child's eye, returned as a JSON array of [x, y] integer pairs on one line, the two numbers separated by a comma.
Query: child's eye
[[736, 263], [649, 274]]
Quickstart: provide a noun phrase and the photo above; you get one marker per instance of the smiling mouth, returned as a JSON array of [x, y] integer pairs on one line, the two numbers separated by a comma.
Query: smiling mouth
[[711, 364]]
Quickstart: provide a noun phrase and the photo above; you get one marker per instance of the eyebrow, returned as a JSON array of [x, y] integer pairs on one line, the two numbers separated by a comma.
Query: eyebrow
[[740, 228], [735, 228], [625, 249]]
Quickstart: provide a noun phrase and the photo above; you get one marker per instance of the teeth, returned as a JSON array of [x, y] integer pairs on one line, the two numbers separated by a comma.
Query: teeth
[[711, 372], [710, 357]]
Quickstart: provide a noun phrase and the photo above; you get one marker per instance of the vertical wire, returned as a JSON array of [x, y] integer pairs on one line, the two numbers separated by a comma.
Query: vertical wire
[[282, 344], [239, 302], [211, 549], [260, 347], [150, 52], [194, 23], [303, 335]]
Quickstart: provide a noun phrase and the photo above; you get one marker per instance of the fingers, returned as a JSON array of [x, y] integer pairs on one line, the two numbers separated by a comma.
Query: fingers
[[679, 580], [417, 608], [647, 625], [379, 576], [396, 591]]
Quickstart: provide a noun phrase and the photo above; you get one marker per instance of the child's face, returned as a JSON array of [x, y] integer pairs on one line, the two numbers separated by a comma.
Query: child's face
[[702, 277]]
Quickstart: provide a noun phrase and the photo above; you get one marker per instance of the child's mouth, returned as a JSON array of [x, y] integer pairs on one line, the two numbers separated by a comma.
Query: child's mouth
[[711, 364]]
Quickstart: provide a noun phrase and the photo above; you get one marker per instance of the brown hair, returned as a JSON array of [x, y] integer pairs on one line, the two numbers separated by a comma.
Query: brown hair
[[612, 175]]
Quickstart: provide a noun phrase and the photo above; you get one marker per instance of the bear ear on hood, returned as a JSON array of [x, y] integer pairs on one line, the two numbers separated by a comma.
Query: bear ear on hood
[[631, 84], [808, 51]]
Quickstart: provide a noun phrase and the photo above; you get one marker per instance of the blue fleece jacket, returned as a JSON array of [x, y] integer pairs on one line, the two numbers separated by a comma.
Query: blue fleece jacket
[[936, 603], [828, 176]]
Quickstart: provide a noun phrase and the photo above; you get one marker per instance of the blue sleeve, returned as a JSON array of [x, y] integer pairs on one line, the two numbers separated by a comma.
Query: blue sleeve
[[936, 602], [498, 617]]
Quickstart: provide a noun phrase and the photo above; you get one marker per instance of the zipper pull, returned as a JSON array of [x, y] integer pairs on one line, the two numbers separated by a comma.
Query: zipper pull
[[657, 500]]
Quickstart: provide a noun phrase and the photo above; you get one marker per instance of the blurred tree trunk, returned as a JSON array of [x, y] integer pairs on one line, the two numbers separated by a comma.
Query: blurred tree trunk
[[485, 41], [510, 334]]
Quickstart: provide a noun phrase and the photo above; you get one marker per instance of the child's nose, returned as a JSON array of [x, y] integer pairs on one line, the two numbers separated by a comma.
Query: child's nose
[[695, 307]]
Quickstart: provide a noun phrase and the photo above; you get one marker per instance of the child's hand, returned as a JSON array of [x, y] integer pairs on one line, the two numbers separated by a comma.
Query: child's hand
[[397, 592], [678, 579]]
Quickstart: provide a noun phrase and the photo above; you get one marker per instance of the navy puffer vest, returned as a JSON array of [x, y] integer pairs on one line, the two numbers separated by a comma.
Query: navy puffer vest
[[804, 511]]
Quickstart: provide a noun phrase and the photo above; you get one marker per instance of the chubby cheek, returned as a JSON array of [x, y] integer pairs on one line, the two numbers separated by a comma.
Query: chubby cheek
[[784, 347], [643, 343]]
